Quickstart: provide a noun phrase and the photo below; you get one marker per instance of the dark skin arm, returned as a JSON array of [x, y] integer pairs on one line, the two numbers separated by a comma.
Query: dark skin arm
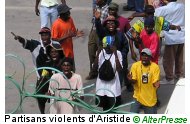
[[37, 4], [19, 38], [156, 84], [69, 34], [174, 27], [36, 8], [129, 76], [118, 65], [133, 54]]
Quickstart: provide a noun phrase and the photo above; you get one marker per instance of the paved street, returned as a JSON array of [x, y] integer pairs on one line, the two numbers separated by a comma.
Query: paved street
[[20, 18]]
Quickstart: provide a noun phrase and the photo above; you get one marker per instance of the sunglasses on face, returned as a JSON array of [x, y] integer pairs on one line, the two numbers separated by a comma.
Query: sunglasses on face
[[110, 23]]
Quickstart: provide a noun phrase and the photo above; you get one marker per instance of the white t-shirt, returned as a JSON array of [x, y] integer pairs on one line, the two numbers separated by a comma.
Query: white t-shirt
[[60, 88], [174, 13], [113, 85], [48, 3]]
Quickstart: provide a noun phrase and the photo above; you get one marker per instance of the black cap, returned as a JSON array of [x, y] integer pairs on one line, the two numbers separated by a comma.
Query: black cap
[[62, 8]]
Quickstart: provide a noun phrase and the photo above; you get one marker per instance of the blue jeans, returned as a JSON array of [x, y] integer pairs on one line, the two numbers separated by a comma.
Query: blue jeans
[[135, 108], [48, 14], [137, 4]]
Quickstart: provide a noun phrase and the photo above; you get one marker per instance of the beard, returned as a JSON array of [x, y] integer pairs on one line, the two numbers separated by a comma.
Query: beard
[[145, 63]]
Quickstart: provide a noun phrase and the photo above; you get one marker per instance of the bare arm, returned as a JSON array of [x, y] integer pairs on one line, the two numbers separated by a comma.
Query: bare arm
[[36, 7], [19, 38], [157, 84], [174, 27], [61, 40], [133, 54], [129, 76], [118, 64], [69, 34]]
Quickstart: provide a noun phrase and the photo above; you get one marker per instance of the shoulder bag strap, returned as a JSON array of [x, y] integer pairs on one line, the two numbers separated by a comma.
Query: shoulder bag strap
[[105, 57]]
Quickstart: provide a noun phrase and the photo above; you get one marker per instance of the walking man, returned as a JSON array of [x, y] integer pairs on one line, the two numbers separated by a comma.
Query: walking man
[[173, 59]]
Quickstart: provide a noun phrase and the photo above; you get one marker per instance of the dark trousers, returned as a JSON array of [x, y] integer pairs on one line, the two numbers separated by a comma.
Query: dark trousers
[[108, 102], [173, 60], [42, 87], [92, 49], [137, 4]]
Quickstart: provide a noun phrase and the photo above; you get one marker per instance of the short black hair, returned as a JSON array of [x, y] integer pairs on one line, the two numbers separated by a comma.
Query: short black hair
[[149, 9], [67, 59], [52, 46]]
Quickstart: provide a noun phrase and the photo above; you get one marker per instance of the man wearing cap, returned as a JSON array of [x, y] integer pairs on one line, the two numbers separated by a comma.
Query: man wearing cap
[[124, 26], [48, 10], [109, 28], [103, 88], [63, 30], [145, 76], [39, 56]]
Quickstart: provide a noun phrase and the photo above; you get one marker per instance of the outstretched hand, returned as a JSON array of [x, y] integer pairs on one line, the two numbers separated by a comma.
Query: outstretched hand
[[15, 36], [97, 14], [79, 33], [37, 11], [129, 76]]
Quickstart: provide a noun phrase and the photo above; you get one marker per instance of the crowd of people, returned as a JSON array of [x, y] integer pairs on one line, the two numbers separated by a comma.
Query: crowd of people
[[111, 38]]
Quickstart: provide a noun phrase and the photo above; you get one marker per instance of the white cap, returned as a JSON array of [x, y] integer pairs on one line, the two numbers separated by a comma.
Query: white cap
[[147, 52]]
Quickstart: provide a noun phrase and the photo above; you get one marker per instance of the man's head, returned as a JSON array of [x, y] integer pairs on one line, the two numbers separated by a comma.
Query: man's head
[[64, 12], [66, 66], [107, 42], [149, 24], [111, 23], [113, 9], [45, 33], [149, 10], [146, 56], [55, 51]]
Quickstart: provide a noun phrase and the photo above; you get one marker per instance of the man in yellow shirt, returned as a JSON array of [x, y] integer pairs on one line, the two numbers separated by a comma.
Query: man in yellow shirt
[[145, 76]]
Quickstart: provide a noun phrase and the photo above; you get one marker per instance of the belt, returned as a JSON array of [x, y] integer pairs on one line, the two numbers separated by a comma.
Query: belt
[[65, 89], [50, 6]]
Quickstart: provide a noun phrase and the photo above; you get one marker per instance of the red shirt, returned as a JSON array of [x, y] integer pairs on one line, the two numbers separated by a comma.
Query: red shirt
[[124, 24], [151, 41]]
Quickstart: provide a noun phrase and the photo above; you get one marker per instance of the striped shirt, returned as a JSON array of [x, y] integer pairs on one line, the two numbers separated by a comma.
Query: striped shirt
[[104, 12]]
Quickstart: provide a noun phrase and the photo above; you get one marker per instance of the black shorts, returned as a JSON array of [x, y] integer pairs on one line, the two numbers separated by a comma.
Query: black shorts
[[107, 102]]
